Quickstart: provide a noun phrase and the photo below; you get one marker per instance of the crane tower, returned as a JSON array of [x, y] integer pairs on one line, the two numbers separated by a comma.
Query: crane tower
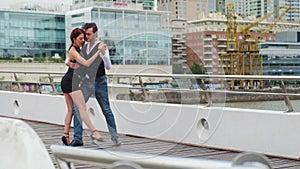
[[231, 59]]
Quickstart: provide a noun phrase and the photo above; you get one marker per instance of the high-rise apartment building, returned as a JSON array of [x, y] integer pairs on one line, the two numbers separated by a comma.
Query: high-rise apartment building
[[243, 7], [260, 8], [221, 6], [294, 13], [178, 61], [212, 4], [187, 9]]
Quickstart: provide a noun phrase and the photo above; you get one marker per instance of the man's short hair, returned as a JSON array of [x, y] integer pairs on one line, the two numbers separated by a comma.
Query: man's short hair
[[90, 25]]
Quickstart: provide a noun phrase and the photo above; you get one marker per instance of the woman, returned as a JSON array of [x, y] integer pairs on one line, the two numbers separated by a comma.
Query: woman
[[70, 85]]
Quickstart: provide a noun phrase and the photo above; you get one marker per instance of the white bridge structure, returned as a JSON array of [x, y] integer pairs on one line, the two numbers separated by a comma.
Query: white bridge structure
[[217, 126]]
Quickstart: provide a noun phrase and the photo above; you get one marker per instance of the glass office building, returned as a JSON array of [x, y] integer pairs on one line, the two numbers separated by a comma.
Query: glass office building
[[281, 58], [31, 34], [133, 36]]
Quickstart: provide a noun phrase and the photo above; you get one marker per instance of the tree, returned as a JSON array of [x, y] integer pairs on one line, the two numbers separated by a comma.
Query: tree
[[196, 69]]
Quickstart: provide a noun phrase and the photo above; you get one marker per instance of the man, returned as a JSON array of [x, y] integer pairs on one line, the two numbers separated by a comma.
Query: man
[[95, 83]]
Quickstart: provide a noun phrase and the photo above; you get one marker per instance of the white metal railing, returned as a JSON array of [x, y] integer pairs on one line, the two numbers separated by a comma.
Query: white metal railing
[[33, 77], [66, 157], [53, 79]]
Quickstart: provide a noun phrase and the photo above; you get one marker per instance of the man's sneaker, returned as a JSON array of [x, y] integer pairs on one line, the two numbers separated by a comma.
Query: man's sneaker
[[76, 143], [116, 141]]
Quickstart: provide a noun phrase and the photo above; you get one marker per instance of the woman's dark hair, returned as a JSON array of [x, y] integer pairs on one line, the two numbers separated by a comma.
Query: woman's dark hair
[[75, 33]]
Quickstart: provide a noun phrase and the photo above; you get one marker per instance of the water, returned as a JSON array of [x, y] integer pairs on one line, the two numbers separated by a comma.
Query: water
[[266, 105]]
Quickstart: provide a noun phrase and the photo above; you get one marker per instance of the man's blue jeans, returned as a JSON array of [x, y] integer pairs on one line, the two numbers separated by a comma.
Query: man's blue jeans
[[100, 91]]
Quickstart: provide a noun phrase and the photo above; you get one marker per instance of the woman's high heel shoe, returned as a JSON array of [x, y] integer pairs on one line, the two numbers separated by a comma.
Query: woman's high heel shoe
[[65, 139], [95, 139]]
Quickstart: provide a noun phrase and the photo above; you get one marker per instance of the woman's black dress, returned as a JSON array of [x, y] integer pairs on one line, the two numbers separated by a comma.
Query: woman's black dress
[[70, 81]]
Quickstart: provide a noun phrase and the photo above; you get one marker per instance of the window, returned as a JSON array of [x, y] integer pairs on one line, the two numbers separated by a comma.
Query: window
[[78, 15]]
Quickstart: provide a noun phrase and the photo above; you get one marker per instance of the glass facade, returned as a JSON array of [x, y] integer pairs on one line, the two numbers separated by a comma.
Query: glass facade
[[281, 58], [31, 34], [134, 37]]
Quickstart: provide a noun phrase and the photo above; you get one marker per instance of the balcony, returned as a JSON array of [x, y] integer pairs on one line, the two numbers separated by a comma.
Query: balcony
[[207, 39], [177, 50], [222, 52], [222, 39], [182, 54], [181, 41], [176, 44], [222, 46], [208, 59], [208, 66]]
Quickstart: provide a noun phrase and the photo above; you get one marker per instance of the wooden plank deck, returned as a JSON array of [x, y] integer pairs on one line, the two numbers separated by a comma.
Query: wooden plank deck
[[51, 134]]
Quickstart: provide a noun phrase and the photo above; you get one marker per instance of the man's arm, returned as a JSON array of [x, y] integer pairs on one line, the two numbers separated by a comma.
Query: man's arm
[[106, 58], [71, 64]]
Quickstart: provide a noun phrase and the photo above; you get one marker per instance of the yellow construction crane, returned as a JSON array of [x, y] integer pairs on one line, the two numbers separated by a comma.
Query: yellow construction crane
[[231, 29], [242, 56], [249, 43], [229, 59], [252, 62], [277, 19]]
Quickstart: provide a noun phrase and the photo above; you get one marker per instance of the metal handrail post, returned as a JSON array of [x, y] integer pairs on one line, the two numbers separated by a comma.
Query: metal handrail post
[[52, 83], [286, 99], [17, 80], [207, 94], [143, 89], [64, 164]]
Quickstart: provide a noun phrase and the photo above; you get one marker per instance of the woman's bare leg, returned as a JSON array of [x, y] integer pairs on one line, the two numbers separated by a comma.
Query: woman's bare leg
[[78, 99], [68, 117]]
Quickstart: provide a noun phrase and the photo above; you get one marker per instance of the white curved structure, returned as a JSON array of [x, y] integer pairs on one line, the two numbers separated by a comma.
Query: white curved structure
[[261, 131], [21, 147]]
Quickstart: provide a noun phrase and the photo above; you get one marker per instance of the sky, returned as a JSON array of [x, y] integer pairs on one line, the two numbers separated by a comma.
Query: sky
[[7, 3]]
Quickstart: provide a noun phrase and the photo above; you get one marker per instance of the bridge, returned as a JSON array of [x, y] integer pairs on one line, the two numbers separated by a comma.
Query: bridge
[[192, 131]]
